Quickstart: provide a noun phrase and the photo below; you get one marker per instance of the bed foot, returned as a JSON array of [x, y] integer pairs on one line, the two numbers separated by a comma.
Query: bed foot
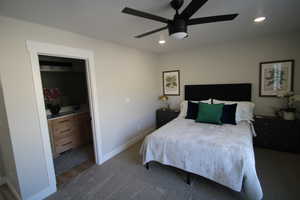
[[147, 166], [188, 178]]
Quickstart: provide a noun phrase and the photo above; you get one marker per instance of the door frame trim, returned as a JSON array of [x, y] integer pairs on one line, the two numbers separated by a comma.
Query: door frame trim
[[37, 48]]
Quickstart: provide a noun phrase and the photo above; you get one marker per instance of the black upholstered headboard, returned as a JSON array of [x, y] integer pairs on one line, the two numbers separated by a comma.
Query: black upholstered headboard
[[228, 92]]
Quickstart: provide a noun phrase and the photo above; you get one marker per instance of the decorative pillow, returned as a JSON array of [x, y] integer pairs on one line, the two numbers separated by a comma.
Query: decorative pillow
[[184, 107], [192, 110], [210, 113], [228, 116], [244, 110]]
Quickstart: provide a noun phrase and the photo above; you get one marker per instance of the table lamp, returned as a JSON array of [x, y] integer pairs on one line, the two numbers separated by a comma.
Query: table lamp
[[164, 99]]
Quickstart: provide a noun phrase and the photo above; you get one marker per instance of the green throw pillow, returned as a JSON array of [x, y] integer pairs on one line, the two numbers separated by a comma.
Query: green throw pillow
[[210, 113]]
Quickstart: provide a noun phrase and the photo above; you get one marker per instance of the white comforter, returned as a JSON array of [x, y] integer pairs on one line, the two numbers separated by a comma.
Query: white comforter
[[223, 154]]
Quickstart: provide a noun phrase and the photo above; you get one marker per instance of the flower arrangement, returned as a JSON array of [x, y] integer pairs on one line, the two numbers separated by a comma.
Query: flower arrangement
[[288, 112], [52, 99], [52, 96], [290, 98]]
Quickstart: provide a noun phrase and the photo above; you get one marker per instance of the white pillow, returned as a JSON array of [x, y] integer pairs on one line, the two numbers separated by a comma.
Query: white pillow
[[244, 110], [184, 106]]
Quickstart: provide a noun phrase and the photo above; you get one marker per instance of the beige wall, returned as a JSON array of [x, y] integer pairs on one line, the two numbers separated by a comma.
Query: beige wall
[[235, 62], [121, 73]]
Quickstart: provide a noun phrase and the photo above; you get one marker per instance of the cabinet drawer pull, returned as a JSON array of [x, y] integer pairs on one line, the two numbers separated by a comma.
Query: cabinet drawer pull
[[67, 130], [65, 144]]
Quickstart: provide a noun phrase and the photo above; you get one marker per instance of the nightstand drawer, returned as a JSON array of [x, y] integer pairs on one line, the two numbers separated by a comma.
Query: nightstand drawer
[[277, 134], [165, 116]]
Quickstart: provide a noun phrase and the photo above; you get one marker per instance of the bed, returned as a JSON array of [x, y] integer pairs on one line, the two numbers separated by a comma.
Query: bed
[[223, 154]]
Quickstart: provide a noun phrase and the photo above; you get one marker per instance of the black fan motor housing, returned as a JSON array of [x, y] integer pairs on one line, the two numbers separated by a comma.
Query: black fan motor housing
[[177, 25]]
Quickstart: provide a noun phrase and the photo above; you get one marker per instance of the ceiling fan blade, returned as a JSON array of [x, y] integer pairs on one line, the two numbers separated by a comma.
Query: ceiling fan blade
[[205, 20], [151, 32], [192, 8], [138, 13]]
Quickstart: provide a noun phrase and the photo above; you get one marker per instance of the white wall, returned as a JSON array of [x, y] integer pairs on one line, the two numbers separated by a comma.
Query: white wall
[[7, 165], [121, 73], [234, 62]]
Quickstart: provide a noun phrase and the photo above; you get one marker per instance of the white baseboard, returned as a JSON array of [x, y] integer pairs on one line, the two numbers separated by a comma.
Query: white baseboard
[[43, 194], [13, 189], [126, 145], [2, 180]]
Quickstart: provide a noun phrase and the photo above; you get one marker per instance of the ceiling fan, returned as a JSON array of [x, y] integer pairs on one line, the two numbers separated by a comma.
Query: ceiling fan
[[178, 26]]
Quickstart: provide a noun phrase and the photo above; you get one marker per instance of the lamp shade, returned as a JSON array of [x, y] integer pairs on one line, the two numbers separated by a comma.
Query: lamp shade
[[163, 98]]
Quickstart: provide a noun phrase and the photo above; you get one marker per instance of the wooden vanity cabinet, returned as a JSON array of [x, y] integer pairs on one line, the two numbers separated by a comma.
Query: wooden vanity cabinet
[[69, 132]]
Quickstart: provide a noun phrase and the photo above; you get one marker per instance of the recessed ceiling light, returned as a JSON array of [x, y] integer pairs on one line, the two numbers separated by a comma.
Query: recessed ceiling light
[[259, 19], [162, 41]]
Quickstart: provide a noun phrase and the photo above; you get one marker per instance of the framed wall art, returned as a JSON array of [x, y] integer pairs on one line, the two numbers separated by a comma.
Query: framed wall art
[[276, 76], [171, 83]]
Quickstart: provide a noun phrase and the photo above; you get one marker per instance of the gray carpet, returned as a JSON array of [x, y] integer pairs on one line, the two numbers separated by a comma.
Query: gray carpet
[[72, 158], [123, 177]]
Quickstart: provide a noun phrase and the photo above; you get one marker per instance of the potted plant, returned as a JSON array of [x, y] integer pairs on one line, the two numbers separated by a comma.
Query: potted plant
[[52, 100], [289, 112]]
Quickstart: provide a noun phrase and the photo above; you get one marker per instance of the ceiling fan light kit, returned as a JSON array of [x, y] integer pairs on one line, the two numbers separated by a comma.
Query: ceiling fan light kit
[[178, 26], [259, 19], [178, 30], [161, 41]]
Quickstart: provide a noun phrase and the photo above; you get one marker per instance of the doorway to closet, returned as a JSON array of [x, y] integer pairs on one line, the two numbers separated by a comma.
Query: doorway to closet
[[37, 49], [66, 100]]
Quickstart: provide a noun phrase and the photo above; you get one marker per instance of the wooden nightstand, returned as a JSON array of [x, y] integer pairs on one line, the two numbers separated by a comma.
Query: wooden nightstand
[[277, 134], [165, 116]]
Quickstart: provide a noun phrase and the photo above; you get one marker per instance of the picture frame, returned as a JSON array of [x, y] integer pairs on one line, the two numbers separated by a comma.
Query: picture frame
[[171, 83], [276, 76]]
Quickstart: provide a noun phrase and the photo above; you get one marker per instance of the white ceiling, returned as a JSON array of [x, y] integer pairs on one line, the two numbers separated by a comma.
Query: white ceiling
[[103, 20]]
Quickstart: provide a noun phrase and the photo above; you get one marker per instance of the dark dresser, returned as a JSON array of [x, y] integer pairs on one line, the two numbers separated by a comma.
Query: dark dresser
[[277, 134], [165, 116]]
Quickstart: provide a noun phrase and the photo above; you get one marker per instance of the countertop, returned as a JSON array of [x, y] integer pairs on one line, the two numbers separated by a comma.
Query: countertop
[[65, 114]]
